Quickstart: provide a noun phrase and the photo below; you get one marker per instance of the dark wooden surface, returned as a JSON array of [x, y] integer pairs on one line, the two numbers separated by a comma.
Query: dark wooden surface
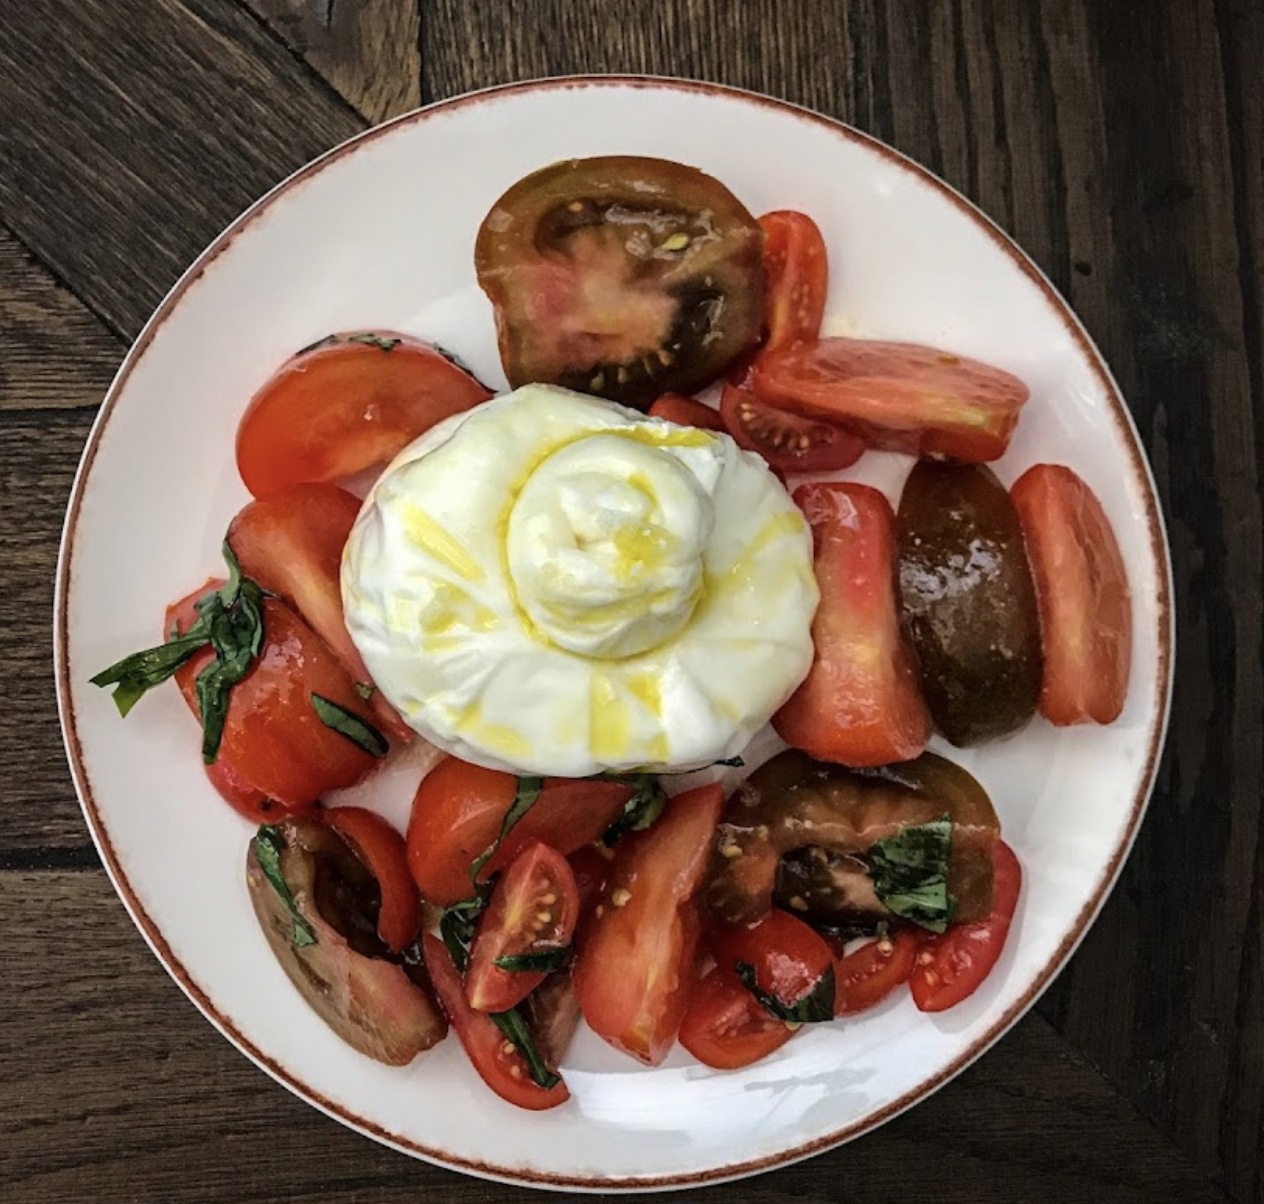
[[1121, 142]]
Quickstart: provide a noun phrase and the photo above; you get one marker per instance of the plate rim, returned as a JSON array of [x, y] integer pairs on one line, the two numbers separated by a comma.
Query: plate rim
[[1165, 660]]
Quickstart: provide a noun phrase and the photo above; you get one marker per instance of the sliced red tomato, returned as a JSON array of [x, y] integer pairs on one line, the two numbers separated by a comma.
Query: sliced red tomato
[[861, 703], [788, 442], [273, 739], [952, 967], [789, 959], [241, 795], [685, 411], [291, 543], [345, 404], [867, 975], [533, 910], [458, 810], [635, 964], [899, 396], [381, 849], [726, 1027], [497, 1061], [1082, 594], [796, 273]]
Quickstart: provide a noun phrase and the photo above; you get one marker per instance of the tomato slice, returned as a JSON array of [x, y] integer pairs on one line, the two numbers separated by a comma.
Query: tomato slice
[[533, 910], [498, 1063], [241, 795], [951, 967], [726, 1027], [900, 396], [867, 975], [345, 404], [861, 703], [796, 268], [685, 411], [381, 849], [1082, 594], [787, 441], [457, 813], [634, 966], [789, 958]]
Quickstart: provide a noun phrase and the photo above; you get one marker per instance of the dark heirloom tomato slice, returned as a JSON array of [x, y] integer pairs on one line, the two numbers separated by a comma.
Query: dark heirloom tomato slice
[[726, 1027], [685, 411], [345, 404], [796, 268], [1082, 589], [621, 276], [860, 703]]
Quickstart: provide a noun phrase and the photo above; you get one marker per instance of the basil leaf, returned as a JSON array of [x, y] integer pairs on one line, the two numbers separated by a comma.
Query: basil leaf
[[731, 762], [528, 791], [816, 1006], [641, 810], [516, 1030], [910, 873], [268, 846], [328, 341], [458, 924], [546, 961], [234, 620], [374, 340], [135, 675], [347, 723]]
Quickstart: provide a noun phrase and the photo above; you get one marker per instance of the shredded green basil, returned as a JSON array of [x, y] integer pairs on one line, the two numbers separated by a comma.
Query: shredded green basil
[[269, 844], [641, 810], [816, 1006], [516, 1030], [544, 962], [910, 873], [524, 799], [347, 723]]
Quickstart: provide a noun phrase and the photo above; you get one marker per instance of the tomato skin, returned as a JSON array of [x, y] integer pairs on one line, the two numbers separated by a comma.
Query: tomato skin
[[482, 1040], [898, 396], [537, 883], [788, 957], [239, 794], [866, 976], [1082, 594], [634, 967], [951, 967], [725, 1026], [341, 406], [457, 813], [861, 703], [796, 270], [381, 849], [685, 411]]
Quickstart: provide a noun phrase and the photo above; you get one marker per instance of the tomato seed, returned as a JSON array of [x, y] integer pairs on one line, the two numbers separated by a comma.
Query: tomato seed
[[925, 957], [543, 917], [620, 897], [885, 947], [730, 851], [507, 1048], [798, 903], [548, 899], [932, 979]]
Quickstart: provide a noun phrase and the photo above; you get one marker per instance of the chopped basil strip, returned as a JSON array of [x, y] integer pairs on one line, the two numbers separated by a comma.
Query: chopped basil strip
[[347, 723], [816, 1006], [365, 689], [544, 962], [528, 791], [910, 873], [135, 675], [328, 341], [268, 846], [374, 340], [732, 762], [516, 1030], [641, 810], [457, 926]]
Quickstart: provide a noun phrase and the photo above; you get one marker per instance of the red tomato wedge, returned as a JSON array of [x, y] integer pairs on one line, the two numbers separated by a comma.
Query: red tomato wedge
[[634, 967], [381, 849], [1082, 594], [726, 1027], [291, 543], [533, 910], [796, 278], [899, 396], [866, 976], [787, 441], [273, 739], [241, 795], [457, 813], [789, 958], [345, 404], [951, 967], [860, 704], [498, 1063], [685, 411]]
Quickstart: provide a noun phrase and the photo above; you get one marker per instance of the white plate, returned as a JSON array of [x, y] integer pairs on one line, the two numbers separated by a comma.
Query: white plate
[[380, 232]]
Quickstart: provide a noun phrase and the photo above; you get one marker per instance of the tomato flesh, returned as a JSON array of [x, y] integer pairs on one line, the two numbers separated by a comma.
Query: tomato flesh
[[726, 1027], [866, 976], [533, 910], [345, 404], [861, 703], [789, 442], [796, 267], [685, 411], [899, 396], [381, 849], [789, 958], [1082, 595], [239, 794], [951, 967]]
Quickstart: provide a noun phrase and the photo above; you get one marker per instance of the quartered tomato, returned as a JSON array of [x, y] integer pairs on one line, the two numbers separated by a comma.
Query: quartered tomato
[[345, 404], [861, 703], [796, 268], [866, 976], [457, 813], [726, 1027], [533, 911], [1082, 591], [898, 396], [789, 442], [623, 277], [685, 411], [788, 958], [634, 967], [498, 1063], [951, 967]]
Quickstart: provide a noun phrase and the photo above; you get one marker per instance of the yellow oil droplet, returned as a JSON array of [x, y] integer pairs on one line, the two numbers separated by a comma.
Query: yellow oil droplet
[[609, 724], [658, 750], [646, 689], [505, 741], [439, 542]]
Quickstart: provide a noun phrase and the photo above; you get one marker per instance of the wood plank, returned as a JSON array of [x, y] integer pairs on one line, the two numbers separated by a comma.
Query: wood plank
[[141, 1092], [195, 111], [366, 49]]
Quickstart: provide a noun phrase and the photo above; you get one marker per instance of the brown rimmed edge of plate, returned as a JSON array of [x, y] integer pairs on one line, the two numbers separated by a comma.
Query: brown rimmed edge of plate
[[151, 932]]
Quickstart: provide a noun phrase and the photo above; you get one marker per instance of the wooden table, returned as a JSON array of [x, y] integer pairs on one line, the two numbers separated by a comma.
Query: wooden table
[[1121, 143]]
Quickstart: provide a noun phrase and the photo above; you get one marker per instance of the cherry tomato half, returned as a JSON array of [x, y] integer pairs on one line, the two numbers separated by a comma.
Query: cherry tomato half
[[867, 975], [796, 269], [685, 411], [241, 795], [726, 1027], [788, 957], [789, 442]]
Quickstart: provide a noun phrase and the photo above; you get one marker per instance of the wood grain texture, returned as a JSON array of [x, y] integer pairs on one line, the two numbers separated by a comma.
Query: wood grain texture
[[79, 977], [366, 49]]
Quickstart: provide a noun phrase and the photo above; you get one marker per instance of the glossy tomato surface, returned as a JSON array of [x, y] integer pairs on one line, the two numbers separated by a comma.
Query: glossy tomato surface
[[865, 977], [796, 271], [725, 1027], [381, 849]]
